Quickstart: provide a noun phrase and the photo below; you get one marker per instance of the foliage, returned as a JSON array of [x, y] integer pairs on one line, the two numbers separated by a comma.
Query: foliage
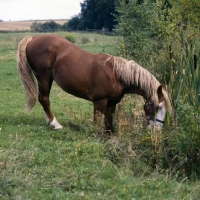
[[185, 72], [184, 83], [181, 142], [94, 14], [70, 37], [182, 152], [136, 28], [37, 27], [148, 26], [50, 26], [187, 14], [72, 24]]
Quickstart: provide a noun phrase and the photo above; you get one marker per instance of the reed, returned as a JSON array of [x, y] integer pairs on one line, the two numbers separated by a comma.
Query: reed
[[185, 72], [185, 95]]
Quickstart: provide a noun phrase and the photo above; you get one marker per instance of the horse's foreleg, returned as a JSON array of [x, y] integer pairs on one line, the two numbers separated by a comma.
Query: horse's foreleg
[[99, 108], [107, 111], [110, 109], [43, 97]]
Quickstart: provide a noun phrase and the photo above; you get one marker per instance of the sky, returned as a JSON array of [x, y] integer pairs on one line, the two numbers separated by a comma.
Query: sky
[[19, 10]]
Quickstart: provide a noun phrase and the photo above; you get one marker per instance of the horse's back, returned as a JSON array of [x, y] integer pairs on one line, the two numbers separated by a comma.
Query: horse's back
[[45, 49]]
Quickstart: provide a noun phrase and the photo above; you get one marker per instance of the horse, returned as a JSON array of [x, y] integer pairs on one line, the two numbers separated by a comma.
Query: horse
[[100, 78]]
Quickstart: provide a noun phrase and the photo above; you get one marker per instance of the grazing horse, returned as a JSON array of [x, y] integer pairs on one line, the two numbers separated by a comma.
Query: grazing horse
[[100, 78]]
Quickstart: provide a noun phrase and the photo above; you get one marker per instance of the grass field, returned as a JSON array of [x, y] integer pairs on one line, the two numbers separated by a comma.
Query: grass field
[[23, 25], [76, 162]]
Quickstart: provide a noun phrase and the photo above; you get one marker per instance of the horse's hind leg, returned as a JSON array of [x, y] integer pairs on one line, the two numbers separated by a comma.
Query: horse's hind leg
[[44, 86]]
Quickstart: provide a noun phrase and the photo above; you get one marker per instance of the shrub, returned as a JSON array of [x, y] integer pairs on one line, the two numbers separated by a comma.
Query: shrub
[[70, 37], [85, 40], [50, 26], [95, 39], [189, 138]]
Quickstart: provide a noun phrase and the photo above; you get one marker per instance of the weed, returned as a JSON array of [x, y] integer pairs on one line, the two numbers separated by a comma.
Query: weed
[[85, 40], [70, 37]]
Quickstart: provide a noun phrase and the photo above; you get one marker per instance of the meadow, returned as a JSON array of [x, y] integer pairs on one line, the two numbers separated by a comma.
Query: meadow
[[23, 25], [77, 162]]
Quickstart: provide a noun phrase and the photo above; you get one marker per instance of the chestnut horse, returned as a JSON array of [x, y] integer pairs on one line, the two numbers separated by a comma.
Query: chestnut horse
[[100, 78]]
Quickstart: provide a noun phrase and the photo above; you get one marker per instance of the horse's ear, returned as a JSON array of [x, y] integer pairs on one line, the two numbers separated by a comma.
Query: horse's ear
[[163, 86], [159, 90]]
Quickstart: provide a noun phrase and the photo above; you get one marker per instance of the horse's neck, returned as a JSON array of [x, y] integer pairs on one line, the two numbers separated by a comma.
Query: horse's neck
[[136, 90]]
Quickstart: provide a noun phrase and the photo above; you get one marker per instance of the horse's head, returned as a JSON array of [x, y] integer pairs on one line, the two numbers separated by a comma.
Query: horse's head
[[155, 114]]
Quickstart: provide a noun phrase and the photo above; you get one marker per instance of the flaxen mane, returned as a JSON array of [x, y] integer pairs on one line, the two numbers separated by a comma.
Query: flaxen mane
[[133, 74]]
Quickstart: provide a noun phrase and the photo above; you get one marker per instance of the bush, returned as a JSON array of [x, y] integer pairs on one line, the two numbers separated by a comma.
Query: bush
[[85, 40], [50, 26], [186, 139], [70, 37]]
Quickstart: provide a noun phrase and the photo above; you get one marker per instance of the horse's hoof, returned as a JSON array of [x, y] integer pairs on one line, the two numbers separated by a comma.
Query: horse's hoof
[[54, 124], [57, 127]]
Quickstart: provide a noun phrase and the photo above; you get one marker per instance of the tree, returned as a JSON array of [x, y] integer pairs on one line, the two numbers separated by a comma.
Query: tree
[[72, 24], [95, 14], [146, 23], [45, 27], [187, 13], [50, 26], [37, 27], [134, 25]]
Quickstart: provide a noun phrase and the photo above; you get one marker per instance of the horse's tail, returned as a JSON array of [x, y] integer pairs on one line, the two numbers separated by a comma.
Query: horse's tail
[[26, 74]]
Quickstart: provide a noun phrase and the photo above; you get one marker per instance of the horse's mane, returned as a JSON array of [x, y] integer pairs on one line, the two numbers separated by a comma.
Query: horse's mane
[[133, 74]]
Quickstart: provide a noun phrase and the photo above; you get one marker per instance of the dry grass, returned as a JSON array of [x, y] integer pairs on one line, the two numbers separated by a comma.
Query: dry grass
[[24, 25]]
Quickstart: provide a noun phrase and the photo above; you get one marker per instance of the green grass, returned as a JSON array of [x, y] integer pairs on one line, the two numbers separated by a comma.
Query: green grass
[[37, 162]]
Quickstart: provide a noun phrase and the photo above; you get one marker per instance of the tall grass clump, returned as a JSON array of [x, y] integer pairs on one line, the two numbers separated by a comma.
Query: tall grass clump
[[185, 72], [185, 95]]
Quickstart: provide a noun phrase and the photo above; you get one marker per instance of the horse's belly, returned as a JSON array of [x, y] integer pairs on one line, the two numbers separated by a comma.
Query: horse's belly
[[75, 86], [84, 94], [88, 83]]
